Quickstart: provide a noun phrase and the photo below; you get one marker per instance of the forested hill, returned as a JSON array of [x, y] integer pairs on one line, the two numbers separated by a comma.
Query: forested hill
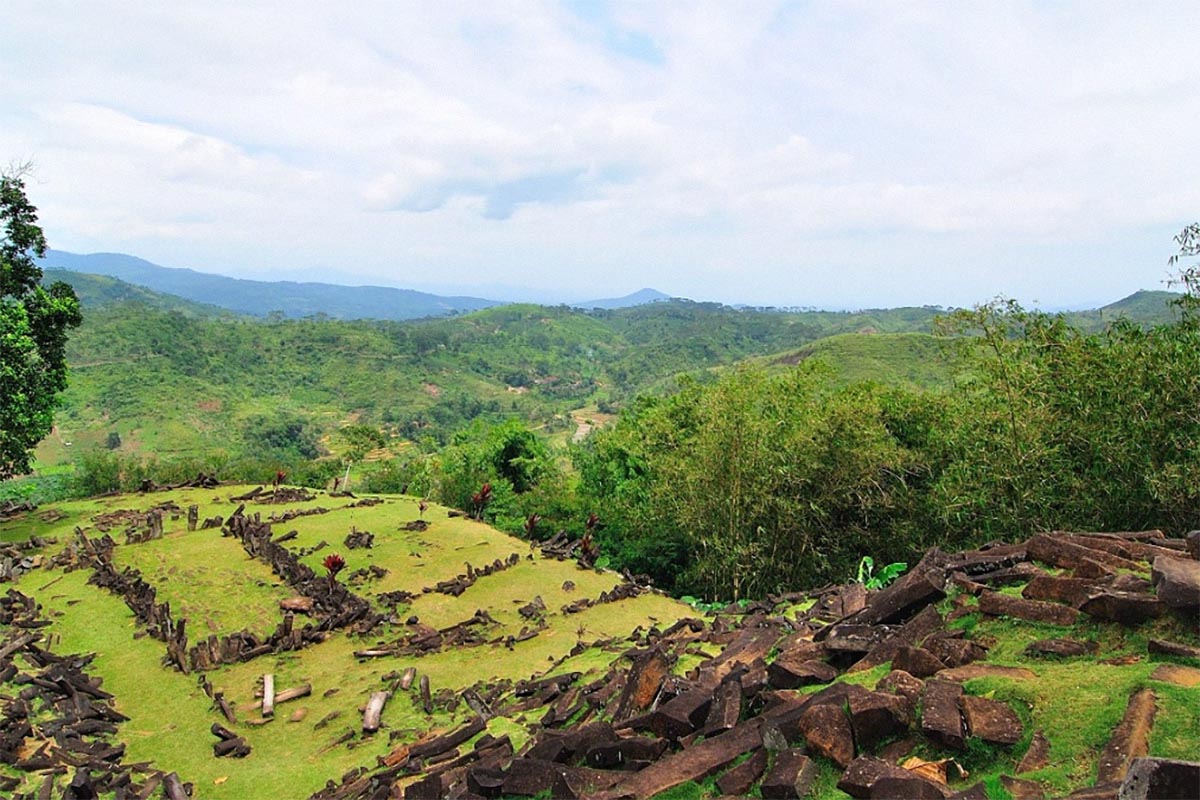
[[1142, 307], [261, 298], [170, 381], [171, 378], [97, 292]]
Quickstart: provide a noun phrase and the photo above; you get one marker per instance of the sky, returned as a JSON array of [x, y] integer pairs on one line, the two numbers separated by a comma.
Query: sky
[[836, 155]]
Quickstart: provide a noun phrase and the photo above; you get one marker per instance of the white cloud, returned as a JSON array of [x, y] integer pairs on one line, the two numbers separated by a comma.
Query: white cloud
[[789, 151]]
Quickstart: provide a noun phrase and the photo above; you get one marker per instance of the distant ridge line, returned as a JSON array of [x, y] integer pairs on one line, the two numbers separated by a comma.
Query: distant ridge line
[[261, 298], [640, 297]]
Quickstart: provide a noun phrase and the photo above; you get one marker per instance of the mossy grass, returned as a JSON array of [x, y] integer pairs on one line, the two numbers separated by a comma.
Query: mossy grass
[[1077, 702], [209, 580]]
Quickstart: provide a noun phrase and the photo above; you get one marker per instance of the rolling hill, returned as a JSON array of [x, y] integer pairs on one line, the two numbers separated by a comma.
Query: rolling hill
[[175, 383], [97, 292], [916, 360], [175, 378], [1142, 308]]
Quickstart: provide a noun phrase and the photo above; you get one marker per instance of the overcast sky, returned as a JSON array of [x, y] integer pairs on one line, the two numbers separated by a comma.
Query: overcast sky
[[829, 154]]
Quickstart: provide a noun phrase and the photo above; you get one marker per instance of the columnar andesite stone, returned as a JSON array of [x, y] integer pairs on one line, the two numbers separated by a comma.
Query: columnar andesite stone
[[1177, 582], [941, 719], [991, 720]]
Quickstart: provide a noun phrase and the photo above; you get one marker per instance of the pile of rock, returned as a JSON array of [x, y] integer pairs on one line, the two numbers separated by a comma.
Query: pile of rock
[[295, 513], [15, 559], [423, 640], [244, 645], [641, 729], [460, 583], [57, 721], [11, 509], [279, 494], [140, 596], [357, 539], [621, 591], [201, 481]]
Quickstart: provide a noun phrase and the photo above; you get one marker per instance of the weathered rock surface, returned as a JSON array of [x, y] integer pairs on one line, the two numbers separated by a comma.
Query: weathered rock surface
[[991, 720], [790, 776], [1067, 551], [1161, 779], [698, 761], [954, 652], [1170, 648], [1071, 591], [866, 771], [827, 732], [1063, 648], [1130, 740], [1022, 789], [903, 684], [1177, 582], [876, 716], [1177, 674], [917, 661], [741, 778], [916, 589], [789, 673], [1127, 608], [1002, 605], [1038, 754], [941, 718], [910, 787]]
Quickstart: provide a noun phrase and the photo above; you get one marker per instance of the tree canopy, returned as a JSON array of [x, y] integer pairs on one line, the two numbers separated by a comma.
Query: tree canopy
[[33, 331]]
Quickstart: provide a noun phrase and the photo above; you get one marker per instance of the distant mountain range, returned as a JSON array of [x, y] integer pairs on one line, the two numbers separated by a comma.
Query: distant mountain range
[[261, 298], [640, 297], [106, 278]]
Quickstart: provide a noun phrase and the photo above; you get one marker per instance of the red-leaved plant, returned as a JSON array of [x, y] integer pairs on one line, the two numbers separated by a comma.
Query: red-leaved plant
[[333, 564], [531, 525], [589, 552], [481, 498]]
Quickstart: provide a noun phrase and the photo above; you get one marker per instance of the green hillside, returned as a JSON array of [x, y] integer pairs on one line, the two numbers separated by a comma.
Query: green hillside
[[1140, 308], [917, 360], [103, 291], [172, 380]]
